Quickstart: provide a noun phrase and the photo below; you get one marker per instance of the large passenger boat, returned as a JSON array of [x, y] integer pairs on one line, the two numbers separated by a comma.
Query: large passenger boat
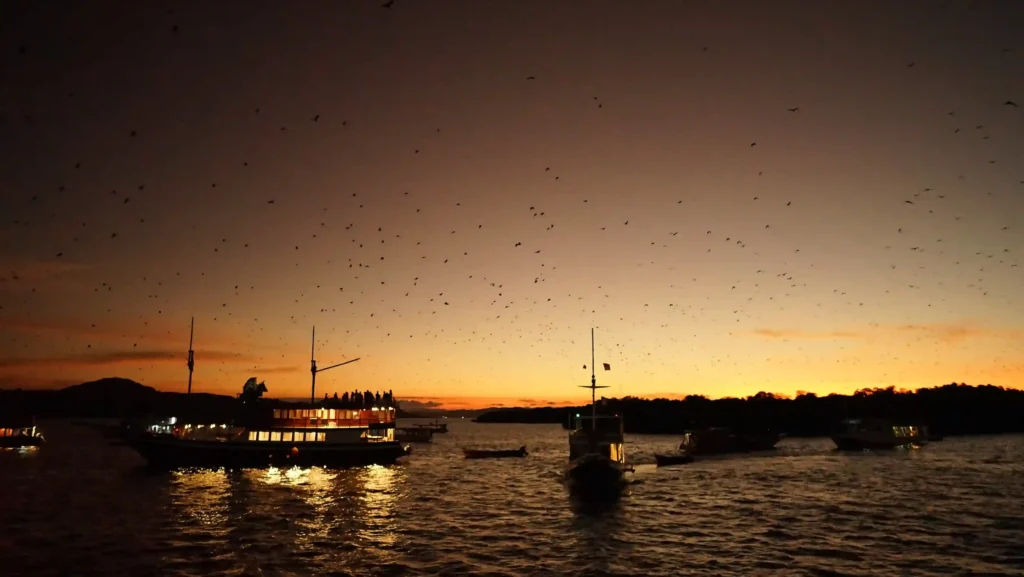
[[356, 430], [301, 435], [19, 432]]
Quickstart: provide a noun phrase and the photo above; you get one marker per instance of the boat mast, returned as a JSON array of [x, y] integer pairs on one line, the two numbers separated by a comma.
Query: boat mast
[[312, 366], [313, 370], [593, 381], [593, 385], [191, 353]]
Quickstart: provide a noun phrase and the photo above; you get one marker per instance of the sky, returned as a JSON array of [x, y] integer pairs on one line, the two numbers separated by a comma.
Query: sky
[[737, 196]]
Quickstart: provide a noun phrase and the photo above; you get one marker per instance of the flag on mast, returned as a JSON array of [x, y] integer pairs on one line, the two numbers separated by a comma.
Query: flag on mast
[[607, 367]]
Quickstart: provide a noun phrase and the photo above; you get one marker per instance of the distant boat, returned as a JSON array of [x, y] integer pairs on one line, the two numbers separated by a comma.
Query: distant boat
[[870, 433], [673, 459], [435, 427], [494, 454], [19, 432], [596, 454], [414, 434], [721, 440]]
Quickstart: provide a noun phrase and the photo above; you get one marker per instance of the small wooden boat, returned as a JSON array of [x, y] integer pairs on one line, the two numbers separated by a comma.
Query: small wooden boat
[[494, 454], [673, 459], [413, 435]]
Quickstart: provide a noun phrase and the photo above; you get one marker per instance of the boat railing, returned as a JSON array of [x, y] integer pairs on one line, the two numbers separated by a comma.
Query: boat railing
[[331, 423]]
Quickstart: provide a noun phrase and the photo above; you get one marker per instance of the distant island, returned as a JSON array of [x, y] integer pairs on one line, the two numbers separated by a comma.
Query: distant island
[[953, 409], [117, 398]]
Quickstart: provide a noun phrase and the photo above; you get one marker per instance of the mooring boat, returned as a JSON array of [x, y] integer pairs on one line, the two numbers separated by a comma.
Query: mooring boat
[[435, 427], [597, 460], [20, 432], [667, 460], [861, 434], [413, 435], [332, 432], [720, 441]]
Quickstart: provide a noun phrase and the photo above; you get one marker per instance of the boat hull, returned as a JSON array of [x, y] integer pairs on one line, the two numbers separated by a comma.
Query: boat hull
[[724, 443], [16, 441], [414, 435], [859, 444], [595, 478], [668, 460], [482, 454], [174, 453]]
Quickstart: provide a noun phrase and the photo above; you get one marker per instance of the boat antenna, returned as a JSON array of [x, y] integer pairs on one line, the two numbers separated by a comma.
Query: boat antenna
[[593, 384], [313, 370], [191, 353]]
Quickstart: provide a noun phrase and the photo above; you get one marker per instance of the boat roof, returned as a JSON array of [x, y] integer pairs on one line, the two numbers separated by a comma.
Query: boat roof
[[15, 422]]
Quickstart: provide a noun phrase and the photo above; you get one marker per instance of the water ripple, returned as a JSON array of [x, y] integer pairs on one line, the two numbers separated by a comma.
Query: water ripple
[[953, 507]]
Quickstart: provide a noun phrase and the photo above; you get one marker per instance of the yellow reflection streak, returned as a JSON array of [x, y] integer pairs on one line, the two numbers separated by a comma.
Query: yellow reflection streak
[[202, 496], [379, 498], [318, 488]]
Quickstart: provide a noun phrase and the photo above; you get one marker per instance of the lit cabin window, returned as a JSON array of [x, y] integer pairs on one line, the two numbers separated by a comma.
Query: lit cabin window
[[277, 413], [275, 436], [286, 437], [321, 436], [300, 437], [263, 435], [331, 413], [252, 435]]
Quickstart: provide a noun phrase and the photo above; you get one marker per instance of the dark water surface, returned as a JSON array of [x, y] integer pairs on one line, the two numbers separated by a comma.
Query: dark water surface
[[81, 507]]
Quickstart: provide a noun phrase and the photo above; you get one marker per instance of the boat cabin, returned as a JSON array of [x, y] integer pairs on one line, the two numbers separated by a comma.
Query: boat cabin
[[29, 431], [881, 428], [601, 434], [302, 424], [19, 432]]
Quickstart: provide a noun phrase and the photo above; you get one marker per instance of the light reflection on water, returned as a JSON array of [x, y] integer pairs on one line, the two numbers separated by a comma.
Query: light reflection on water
[[379, 498], [200, 497], [951, 507]]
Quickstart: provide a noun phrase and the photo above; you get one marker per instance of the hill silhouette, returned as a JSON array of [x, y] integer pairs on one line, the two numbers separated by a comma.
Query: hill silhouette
[[953, 409], [118, 398]]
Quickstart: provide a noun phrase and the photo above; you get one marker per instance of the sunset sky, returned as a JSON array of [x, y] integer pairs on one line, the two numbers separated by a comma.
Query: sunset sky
[[738, 196]]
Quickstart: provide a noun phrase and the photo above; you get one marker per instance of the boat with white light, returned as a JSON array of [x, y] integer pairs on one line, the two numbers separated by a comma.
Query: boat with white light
[[597, 458], [330, 433]]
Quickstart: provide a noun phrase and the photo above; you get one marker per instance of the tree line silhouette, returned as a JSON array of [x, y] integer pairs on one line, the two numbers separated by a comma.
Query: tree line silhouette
[[953, 409]]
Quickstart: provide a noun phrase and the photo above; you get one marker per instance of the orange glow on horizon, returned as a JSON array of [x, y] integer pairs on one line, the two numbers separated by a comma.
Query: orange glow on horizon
[[810, 215]]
